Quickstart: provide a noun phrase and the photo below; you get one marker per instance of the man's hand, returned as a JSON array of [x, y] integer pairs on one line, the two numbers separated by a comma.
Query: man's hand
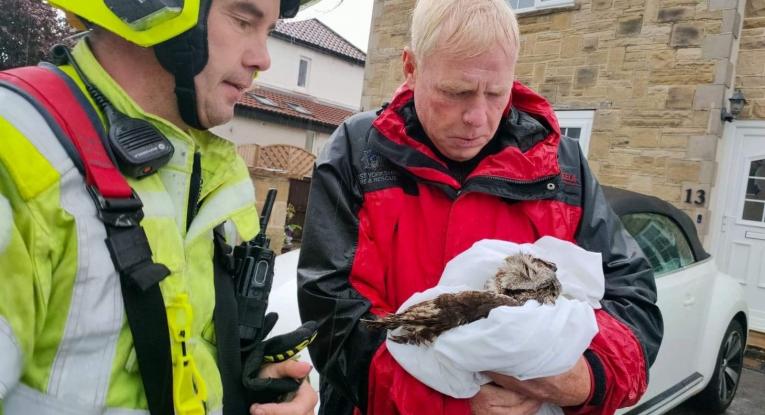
[[567, 389], [495, 400], [305, 398]]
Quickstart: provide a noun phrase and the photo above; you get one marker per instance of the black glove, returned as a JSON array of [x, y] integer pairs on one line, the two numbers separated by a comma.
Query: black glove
[[274, 350]]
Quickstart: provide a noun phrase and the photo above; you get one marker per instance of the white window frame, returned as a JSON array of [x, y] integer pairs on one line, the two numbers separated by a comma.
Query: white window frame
[[544, 4], [310, 140], [307, 60], [578, 119]]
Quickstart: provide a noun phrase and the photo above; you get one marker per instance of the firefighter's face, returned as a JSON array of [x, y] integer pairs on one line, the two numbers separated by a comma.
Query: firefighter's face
[[237, 35]]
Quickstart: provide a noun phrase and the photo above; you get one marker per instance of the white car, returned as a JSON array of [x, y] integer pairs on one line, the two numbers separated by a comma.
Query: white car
[[705, 315], [704, 311]]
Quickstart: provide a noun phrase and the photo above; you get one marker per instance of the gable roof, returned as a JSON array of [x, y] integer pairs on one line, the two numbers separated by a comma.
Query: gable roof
[[294, 106], [316, 35]]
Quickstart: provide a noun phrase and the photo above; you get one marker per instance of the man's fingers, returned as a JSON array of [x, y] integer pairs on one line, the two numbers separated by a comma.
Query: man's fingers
[[527, 407], [492, 399], [287, 369], [507, 382], [495, 400], [303, 403]]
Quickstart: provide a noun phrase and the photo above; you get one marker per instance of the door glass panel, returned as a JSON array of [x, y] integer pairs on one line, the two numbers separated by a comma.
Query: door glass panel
[[755, 189], [753, 211], [663, 242], [755, 192], [757, 168]]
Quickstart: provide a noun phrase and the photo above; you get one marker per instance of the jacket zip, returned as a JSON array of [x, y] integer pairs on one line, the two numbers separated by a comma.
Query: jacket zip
[[465, 187], [195, 189], [515, 181]]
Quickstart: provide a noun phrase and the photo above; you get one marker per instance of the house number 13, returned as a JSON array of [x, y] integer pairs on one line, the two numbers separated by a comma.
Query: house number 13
[[700, 199]]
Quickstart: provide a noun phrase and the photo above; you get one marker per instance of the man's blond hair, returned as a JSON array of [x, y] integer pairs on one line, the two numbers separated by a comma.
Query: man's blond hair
[[463, 27]]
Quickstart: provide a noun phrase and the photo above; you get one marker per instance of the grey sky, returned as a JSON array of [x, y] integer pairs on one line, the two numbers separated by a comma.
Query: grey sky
[[349, 18]]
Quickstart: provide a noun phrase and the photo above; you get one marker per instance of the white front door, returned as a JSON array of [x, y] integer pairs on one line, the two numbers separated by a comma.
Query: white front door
[[741, 252]]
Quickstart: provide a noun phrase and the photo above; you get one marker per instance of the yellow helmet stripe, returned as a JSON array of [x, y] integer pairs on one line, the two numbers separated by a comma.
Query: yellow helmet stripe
[[98, 13]]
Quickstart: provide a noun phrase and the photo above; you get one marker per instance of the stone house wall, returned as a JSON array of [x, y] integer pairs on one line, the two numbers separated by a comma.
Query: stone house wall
[[750, 74], [656, 72]]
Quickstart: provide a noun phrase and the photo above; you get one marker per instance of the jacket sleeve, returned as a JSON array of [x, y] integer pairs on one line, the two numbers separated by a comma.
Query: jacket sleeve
[[341, 281], [343, 348], [17, 300], [630, 323]]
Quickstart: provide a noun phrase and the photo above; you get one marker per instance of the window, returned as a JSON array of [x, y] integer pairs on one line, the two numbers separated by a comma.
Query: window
[[576, 125], [265, 101], [754, 200], [529, 5], [573, 132], [310, 136], [303, 68], [299, 108], [661, 239]]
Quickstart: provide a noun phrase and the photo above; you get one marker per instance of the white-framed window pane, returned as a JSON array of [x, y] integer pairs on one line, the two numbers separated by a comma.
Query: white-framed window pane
[[755, 189], [521, 4], [573, 132], [757, 168], [754, 197], [528, 5], [753, 211], [310, 136], [576, 125], [303, 69]]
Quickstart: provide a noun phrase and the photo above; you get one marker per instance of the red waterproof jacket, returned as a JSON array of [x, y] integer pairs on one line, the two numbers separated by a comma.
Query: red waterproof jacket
[[386, 214]]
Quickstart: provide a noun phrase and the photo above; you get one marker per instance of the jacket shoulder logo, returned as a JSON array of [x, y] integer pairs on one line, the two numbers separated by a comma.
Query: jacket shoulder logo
[[376, 172], [370, 160]]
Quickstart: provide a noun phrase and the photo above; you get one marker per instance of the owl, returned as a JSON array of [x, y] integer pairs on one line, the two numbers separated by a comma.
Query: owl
[[521, 277]]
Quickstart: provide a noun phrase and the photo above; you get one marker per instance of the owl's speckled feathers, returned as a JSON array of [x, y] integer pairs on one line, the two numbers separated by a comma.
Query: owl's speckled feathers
[[522, 277]]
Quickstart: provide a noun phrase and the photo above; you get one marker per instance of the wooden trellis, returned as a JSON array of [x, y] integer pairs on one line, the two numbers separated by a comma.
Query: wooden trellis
[[291, 161]]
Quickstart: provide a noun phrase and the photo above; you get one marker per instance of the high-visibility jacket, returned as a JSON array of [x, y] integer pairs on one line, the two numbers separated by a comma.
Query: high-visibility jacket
[[65, 345]]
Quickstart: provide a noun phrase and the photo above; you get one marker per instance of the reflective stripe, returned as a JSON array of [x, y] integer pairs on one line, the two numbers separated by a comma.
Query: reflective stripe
[[34, 128], [25, 401], [33, 174], [10, 358], [157, 204], [6, 223], [220, 205], [83, 363]]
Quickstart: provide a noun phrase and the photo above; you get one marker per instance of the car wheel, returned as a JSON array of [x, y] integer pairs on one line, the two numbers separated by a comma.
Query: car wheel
[[719, 393]]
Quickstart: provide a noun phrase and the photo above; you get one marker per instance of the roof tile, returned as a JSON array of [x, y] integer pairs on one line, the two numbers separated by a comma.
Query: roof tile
[[317, 111], [316, 33]]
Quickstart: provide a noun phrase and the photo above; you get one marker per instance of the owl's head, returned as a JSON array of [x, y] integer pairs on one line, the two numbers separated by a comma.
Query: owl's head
[[526, 273]]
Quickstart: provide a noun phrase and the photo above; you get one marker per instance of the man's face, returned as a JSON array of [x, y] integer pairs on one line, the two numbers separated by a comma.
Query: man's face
[[237, 31], [460, 101]]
